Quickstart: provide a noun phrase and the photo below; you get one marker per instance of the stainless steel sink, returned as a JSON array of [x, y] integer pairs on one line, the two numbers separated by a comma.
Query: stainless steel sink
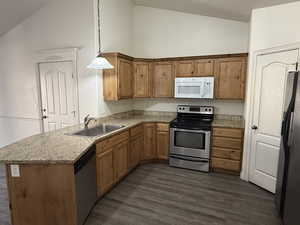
[[98, 130]]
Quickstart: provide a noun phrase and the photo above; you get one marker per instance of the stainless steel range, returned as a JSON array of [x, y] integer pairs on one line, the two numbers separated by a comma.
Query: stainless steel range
[[190, 136]]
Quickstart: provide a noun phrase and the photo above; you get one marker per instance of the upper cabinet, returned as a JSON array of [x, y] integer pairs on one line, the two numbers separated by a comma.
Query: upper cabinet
[[194, 68], [117, 82], [184, 68], [230, 75], [142, 79], [204, 67], [163, 79], [155, 78]]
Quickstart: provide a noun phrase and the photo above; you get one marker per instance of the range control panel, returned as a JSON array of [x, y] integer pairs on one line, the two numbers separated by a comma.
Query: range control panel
[[195, 109]]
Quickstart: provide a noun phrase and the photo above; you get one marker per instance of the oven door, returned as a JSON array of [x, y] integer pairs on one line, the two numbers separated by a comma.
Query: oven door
[[195, 143]]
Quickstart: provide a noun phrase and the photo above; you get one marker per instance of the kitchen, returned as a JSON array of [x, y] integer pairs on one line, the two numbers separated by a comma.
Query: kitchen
[[142, 153]]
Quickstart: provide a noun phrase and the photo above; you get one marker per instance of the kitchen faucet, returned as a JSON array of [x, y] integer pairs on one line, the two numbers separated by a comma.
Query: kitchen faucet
[[87, 120]]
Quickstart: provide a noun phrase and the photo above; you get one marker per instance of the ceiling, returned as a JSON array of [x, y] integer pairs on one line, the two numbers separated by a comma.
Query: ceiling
[[228, 9], [12, 12]]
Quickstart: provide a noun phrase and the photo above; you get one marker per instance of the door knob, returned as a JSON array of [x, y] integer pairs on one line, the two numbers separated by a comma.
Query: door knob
[[254, 127], [44, 117]]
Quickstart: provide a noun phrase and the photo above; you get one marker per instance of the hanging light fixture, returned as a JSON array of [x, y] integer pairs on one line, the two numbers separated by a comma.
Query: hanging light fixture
[[99, 63]]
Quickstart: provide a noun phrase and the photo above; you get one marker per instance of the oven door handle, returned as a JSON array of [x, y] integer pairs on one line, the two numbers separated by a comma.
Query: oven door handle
[[187, 159], [191, 131]]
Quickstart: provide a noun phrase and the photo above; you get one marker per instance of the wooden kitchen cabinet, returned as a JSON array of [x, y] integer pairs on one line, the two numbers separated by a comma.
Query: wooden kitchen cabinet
[[136, 146], [120, 160], [149, 151], [184, 68], [163, 79], [163, 140], [117, 82], [230, 75], [204, 67], [105, 171], [227, 148], [142, 79]]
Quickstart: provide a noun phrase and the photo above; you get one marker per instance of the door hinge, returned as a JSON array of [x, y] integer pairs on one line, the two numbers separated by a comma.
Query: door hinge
[[297, 64], [72, 75]]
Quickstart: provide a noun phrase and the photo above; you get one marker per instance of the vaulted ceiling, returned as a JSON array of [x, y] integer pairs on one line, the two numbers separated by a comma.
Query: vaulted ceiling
[[228, 9], [12, 12]]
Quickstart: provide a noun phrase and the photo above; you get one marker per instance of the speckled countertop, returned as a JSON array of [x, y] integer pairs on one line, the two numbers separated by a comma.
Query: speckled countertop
[[59, 147]]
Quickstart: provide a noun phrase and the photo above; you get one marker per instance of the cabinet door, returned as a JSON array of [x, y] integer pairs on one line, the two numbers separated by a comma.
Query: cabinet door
[[184, 68], [120, 160], [163, 80], [230, 78], [204, 67], [105, 171], [149, 141], [141, 80], [125, 78], [135, 151], [163, 145]]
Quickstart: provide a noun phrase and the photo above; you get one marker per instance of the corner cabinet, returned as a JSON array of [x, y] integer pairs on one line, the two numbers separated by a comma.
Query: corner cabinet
[[230, 76], [163, 79], [117, 82]]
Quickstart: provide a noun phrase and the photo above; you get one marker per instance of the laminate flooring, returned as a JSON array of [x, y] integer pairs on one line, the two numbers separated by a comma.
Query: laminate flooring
[[155, 194]]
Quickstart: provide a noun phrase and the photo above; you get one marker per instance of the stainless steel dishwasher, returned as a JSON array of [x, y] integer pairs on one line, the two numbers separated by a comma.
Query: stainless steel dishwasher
[[85, 184]]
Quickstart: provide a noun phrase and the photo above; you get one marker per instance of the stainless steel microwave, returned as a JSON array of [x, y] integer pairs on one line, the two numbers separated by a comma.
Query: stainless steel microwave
[[194, 87]]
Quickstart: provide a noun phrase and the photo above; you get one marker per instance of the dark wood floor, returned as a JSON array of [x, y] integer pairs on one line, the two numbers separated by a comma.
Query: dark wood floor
[[156, 194]]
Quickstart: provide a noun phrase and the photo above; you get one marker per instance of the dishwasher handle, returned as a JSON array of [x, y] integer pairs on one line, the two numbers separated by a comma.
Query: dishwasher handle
[[84, 159]]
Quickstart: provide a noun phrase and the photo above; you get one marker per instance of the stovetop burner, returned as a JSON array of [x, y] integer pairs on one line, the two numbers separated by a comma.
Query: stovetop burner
[[194, 117]]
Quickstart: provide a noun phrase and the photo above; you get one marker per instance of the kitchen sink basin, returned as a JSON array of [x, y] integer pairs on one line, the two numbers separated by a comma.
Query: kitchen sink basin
[[98, 130]]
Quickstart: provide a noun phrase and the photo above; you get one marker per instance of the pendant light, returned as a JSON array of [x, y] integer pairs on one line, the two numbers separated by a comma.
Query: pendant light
[[99, 63]]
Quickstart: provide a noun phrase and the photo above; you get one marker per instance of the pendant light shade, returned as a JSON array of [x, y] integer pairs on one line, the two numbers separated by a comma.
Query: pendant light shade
[[99, 63]]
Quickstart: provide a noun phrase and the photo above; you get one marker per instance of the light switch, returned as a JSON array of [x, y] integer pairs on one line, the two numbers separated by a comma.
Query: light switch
[[15, 170]]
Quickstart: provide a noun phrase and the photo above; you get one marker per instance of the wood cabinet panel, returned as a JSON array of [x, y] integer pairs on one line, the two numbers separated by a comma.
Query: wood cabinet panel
[[135, 151], [184, 68], [105, 171], [112, 141], [228, 132], [137, 131], [226, 164], [125, 78], [43, 194], [149, 151], [110, 80], [163, 80], [230, 76], [163, 145], [142, 80], [227, 143], [163, 127], [204, 68], [226, 153], [120, 160]]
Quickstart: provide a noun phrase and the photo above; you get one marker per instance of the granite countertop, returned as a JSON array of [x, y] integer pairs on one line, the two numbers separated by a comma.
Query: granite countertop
[[59, 147]]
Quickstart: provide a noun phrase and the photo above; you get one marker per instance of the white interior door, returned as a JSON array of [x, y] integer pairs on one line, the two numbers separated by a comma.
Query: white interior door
[[269, 94], [59, 99]]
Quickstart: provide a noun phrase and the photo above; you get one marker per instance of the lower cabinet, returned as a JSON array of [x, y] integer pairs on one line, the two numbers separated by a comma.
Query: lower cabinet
[[105, 171], [163, 140], [120, 160], [227, 147], [149, 151], [135, 151]]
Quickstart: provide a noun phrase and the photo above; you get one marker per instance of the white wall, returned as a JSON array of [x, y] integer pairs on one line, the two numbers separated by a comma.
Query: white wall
[[164, 33], [59, 24]]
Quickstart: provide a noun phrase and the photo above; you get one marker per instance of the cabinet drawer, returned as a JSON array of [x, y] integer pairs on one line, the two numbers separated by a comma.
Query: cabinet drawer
[[163, 127], [226, 164], [226, 153], [112, 141], [137, 131], [227, 143], [227, 132]]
